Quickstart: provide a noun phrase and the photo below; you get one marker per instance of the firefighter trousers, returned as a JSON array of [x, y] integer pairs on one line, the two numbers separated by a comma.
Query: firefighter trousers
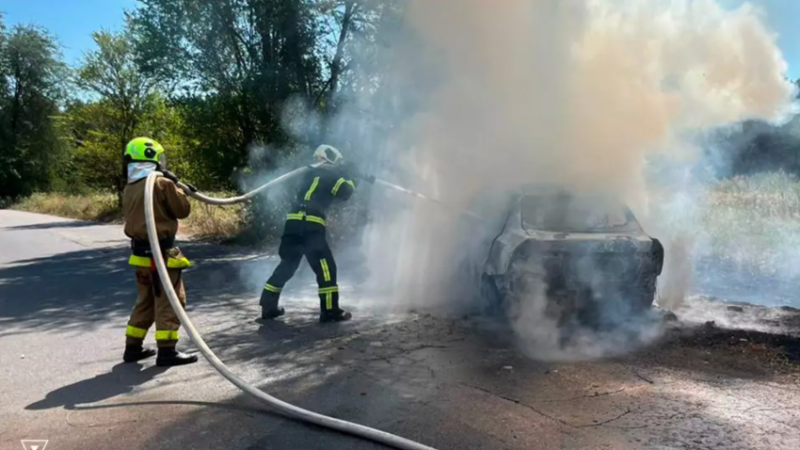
[[314, 246], [153, 306]]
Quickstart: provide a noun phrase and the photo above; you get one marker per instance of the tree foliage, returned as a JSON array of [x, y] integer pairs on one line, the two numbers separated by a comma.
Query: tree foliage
[[127, 100], [240, 60], [210, 79], [31, 87]]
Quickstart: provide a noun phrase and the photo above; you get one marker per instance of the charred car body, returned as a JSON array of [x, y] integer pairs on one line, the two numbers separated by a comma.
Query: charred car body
[[585, 254]]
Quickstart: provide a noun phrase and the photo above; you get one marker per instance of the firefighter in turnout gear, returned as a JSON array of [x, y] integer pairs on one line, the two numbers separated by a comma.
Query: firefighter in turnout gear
[[143, 156], [304, 234]]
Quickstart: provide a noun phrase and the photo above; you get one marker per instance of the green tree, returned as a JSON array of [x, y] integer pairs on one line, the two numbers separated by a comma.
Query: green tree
[[93, 128], [3, 74], [259, 79], [237, 62], [126, 96], [32, 77]]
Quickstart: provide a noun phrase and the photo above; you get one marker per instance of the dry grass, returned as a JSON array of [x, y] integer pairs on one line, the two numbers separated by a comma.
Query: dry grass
[[214, 222], [774, 195], [97, 206], [208, 222], [754, 221]]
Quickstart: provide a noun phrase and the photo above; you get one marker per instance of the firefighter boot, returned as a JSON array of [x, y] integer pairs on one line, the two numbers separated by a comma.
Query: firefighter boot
[[338, 315], [269, 305], [169, 356], [329, 306], [136, 352]]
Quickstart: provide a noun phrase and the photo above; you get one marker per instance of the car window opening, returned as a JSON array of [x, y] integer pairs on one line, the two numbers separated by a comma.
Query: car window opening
[[572, 214]]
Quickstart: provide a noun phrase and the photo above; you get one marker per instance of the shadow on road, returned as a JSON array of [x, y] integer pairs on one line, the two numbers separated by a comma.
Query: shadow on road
[[439, 381], [431, 379], [244, 408], [122, 379], [337, 370], [448, 386], [51, 225], [94, 287]]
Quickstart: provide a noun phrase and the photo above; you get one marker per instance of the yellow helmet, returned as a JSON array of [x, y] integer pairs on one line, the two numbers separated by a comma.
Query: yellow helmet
[[143, 149]]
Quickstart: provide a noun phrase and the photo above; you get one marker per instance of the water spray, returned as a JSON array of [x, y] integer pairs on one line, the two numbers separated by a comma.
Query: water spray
[[286, 408], [283, 407], [424, 197]]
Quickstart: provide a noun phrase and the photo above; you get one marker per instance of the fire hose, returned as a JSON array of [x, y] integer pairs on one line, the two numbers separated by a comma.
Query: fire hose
[[283, 407], [243, 198]]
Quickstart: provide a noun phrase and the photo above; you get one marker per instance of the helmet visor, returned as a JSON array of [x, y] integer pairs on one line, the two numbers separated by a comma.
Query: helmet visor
[[162, 161]]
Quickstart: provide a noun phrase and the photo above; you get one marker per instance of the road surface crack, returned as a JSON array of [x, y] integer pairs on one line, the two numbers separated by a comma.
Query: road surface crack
[[788, 425], [600, 394], [544, 414], [639, 375], [605, 422]]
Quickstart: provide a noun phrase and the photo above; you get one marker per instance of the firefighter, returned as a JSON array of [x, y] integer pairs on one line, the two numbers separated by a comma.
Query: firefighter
[[142, 157], [304, 235]]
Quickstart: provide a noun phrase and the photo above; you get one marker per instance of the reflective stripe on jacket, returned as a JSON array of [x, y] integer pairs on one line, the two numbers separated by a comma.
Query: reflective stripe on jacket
[[319, 188], [172, 263]]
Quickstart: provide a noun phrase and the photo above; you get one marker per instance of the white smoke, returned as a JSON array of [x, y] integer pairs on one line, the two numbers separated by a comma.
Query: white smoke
[[598, 95], [582, 93]]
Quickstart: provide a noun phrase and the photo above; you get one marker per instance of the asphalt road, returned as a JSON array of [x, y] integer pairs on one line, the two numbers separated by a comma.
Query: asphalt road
[[448, 382]]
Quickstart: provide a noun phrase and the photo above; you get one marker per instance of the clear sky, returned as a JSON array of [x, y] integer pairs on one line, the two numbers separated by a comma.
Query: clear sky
[[72, 21]]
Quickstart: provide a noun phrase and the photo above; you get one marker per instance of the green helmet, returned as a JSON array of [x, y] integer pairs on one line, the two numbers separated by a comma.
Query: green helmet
[[144, 149]]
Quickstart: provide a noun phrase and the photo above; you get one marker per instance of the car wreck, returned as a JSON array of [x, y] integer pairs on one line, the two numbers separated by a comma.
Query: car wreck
[[586, 254]]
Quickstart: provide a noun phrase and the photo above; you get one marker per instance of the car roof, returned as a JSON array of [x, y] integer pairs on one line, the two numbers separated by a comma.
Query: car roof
[[554, 189], [546, 189]]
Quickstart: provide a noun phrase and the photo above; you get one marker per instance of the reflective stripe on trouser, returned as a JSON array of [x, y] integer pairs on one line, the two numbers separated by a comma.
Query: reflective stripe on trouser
[[166, 335], [329, 298], [135, 332], [270, 297], [271, 288], [314, 247], [155, 309]]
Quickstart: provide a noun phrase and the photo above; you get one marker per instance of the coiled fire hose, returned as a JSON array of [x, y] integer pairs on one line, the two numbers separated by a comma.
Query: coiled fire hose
[[283, 407]]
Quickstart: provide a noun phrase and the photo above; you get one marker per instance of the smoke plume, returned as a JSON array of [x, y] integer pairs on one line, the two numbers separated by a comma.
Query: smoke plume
[[581, 93], [600, 96]]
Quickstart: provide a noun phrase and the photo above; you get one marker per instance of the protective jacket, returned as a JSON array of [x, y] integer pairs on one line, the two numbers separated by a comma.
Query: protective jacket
[[319, 188], [169, 205]]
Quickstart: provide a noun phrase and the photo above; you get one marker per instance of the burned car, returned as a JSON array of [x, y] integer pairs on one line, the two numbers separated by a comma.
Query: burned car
[[583, 253]]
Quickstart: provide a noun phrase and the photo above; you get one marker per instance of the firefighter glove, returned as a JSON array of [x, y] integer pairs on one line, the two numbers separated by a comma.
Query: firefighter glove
[[170, 176]]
